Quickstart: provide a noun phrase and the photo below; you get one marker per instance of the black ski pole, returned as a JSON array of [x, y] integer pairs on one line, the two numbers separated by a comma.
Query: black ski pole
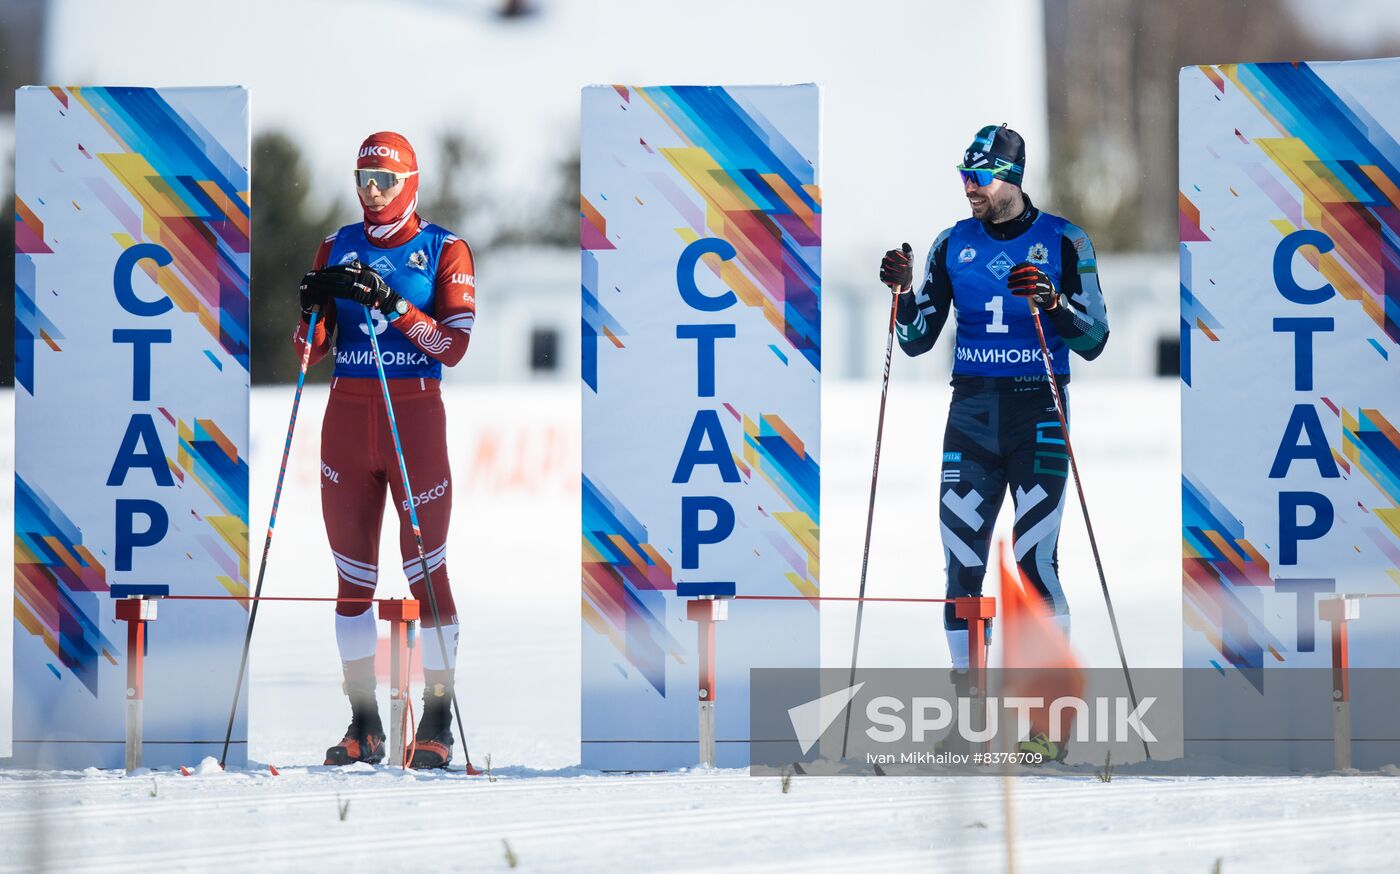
[[870, 512], [417, 533], [1079, 487], [271, 524]]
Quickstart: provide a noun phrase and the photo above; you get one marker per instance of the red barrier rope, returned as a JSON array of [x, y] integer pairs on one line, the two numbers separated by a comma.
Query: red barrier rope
[[736, 598], [836, 598], [272, 598]]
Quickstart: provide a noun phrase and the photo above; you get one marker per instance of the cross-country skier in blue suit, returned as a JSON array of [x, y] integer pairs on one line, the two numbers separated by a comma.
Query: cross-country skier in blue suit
[[1003, 433]]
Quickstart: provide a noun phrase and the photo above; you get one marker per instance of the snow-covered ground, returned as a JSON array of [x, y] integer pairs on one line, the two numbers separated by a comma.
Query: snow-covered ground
[[716, 821], [516, 461]]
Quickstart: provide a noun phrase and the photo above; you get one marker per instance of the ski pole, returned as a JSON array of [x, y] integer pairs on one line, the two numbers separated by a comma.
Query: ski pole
[[870, 512], [1079, 487], [417, 532], [271, 524]]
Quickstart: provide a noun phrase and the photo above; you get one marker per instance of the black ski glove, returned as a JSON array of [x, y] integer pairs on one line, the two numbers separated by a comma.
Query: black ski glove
[[312, 295], [896, 270], [358, 283], [1028, 280]]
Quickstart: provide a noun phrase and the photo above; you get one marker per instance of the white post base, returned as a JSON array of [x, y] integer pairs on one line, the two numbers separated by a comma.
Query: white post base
[[707, 734], [133, 734], [1341, 735], [396, 715]]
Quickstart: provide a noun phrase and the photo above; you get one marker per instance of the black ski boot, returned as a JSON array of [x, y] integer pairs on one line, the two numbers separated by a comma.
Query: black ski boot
[[953, 742], [432, 743], [364, 739]]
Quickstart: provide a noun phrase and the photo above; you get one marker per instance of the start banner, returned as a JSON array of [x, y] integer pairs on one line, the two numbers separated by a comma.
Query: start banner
[[701, 243], [131, 415], [1290, 331]]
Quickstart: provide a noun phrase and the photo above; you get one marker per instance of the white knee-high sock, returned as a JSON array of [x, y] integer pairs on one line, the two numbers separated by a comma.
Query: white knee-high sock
[[957, 645], [432, 650], [356, 636]]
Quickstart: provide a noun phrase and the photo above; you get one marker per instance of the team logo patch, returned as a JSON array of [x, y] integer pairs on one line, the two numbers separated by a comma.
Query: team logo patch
[[383, 266], [1038, 254], [966, 255], [1000, 265], [418, 260], [350, 256]]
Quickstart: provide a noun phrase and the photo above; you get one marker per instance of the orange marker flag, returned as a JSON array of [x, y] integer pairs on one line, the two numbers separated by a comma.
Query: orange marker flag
[[1035, 652]]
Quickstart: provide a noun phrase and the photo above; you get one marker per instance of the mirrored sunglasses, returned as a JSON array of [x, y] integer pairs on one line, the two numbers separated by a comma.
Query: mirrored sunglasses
[[381, 179]]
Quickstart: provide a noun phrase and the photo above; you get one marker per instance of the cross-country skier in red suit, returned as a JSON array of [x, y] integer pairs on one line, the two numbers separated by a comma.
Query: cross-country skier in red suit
[[419, 284]]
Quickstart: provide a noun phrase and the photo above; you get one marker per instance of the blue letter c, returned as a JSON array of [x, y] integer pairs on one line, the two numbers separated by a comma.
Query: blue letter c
[[685, 274], [121, 279], [1283, 266]]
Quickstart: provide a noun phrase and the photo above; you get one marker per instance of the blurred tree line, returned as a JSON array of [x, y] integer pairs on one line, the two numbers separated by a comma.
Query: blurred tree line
[[1111, 90], [7, 281], [20, 26]]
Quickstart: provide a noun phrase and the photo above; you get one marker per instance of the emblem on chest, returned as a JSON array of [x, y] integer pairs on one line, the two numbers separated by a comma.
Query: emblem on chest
[[1000, 265], [1038, 254], [382, 265]]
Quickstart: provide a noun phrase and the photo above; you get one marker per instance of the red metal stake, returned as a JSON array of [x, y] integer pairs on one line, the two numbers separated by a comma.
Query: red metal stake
[[705, 611], [135, 612], [1338, 612], [977, 612], [707, 602], [706, 632], [400, 614], [1341, 663]]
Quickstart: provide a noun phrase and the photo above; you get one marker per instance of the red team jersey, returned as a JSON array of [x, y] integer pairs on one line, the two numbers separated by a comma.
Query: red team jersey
[[432, 270]]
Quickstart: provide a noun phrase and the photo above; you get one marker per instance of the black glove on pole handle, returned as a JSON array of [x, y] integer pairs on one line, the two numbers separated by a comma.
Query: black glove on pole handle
[[895, 292]]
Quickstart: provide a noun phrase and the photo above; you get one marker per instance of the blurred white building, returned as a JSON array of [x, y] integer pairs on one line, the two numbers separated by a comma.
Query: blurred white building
[[529, 313]]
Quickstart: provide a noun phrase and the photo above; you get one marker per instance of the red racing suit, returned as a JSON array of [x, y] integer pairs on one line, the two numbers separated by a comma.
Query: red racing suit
[[433, 270]]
